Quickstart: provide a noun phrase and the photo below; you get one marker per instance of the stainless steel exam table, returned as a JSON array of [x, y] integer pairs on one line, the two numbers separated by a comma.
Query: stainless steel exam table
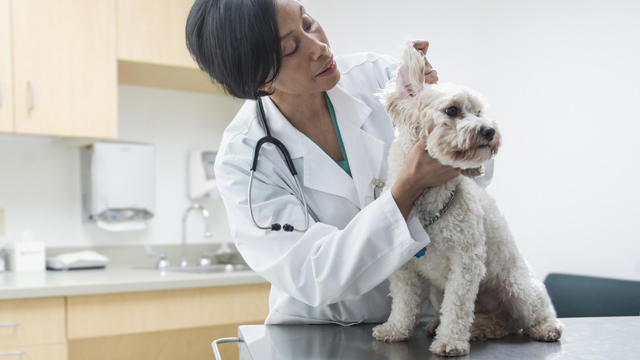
[[583, 339]]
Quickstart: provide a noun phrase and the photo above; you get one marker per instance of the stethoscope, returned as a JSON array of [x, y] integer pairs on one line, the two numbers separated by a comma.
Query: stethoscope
[[292, 169], [378, 184]]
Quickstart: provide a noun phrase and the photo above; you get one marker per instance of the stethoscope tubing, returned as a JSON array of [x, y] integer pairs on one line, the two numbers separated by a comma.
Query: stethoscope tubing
[[302, 203], [292, 169]]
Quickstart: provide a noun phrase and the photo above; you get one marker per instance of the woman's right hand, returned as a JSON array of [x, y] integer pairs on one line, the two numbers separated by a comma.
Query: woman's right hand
[[419, 172]]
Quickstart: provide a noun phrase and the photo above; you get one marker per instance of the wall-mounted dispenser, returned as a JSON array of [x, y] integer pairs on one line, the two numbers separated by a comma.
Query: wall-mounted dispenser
[[201, 178], [118, 185]]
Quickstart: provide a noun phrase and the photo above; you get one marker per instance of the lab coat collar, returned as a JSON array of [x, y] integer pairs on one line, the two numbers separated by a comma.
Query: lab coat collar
[[321, 172], [364, 151]]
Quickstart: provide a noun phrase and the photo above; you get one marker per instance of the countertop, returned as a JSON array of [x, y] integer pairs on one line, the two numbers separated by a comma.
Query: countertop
[[583, 339], [112, 280]]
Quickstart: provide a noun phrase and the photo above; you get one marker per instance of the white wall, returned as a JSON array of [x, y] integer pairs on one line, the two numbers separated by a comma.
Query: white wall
[[564, 82], [40, 176]]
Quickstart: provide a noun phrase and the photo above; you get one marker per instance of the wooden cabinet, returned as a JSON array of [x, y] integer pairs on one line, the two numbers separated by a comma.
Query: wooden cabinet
[[36, 352], [32, 321], [152, 31], [192, 344], [158, 325], [6, 95], [33, 329], [65, 74], [130, 313], [165, 324], [61, 61], [152, 50]]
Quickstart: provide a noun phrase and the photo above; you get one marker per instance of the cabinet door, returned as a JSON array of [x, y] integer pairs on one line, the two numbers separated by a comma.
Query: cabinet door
[[150, 32], [35, 352], [6, 92], [32, 322], [65, 72], [140, 312]]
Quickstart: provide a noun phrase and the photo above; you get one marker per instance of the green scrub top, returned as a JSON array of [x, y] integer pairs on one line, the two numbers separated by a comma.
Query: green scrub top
[[344, 164]]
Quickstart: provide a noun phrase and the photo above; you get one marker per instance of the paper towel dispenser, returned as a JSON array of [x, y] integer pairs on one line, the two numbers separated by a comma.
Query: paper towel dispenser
[[118, 185]]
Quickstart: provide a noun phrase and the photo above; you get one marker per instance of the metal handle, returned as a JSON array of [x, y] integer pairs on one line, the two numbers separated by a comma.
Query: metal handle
[[32, 96], [13, 324], [162, 257], [215, 343], [12, 353]]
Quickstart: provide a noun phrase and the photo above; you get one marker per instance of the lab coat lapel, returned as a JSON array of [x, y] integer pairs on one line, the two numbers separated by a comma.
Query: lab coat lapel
[[364, 151], [322, 173], [319, 171]]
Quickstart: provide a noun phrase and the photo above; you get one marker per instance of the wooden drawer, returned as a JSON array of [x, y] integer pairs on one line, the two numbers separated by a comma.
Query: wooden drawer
[[129, 313], [35, 352], [188, 344], [32, 321]]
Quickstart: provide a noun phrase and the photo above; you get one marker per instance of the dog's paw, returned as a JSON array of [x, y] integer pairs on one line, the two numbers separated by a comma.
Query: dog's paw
[[449, 348], [431, 327], [488, 326], [549, 330], [387, 332]]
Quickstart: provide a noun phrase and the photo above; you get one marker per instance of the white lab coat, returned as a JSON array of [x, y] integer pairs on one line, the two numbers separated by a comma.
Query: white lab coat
[[335, 272]]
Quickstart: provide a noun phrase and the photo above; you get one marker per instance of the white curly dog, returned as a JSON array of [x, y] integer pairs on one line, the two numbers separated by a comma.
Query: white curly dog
[[478, 283]]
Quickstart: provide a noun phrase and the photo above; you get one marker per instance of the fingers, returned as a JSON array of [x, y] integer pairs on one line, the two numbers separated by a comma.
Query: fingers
[[421, 145], [454, 171], [421, 45], [423, 141], [431, 77]]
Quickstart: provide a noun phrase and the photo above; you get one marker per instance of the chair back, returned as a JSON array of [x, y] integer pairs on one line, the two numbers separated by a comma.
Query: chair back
[[586, 296]]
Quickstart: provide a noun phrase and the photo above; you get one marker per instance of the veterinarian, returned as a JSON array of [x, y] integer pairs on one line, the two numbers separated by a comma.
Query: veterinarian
[[337, 133]]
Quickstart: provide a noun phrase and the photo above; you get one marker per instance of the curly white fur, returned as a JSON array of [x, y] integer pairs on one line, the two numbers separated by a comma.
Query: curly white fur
[[472, 268]]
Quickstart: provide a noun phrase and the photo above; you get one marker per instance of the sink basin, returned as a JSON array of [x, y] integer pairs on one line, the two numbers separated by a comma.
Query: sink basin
[[215, 268], [204, 269]]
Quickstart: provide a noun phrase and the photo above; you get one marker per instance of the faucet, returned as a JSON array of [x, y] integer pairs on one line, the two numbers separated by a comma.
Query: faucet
[[207, 232]]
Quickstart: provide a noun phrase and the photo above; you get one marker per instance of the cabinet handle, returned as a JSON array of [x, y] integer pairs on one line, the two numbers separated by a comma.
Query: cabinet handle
[[32, 96], [0, 92], [12, 353], [13, 324]]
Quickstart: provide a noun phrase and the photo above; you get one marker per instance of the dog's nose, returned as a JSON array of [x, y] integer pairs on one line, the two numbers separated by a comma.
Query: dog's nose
[[487, 133]]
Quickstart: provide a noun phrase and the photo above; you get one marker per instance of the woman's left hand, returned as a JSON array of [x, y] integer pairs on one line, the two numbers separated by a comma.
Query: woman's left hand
[[430, 74]]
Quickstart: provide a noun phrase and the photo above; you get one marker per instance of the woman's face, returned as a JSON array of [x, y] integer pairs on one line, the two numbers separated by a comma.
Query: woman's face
[[307, 63]]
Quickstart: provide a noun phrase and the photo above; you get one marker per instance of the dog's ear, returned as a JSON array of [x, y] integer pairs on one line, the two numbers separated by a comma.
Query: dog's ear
[[410, 76], [399, 93], [473, 172]]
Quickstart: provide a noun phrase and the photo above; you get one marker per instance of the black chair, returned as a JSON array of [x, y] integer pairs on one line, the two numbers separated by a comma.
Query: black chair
[[586, 296]]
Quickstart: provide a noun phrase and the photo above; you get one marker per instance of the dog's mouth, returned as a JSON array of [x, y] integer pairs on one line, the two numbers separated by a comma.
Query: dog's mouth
[[477, 152]]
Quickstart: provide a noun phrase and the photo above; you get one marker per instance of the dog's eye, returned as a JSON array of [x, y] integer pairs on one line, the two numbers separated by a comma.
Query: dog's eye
[[452, 110]]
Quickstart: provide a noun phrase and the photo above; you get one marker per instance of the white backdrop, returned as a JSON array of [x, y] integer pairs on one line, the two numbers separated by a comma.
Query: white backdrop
[[563, 80]]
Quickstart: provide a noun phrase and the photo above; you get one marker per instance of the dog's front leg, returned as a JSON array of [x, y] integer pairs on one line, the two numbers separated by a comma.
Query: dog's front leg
[[435, 298], [407, 291], [456, 312]]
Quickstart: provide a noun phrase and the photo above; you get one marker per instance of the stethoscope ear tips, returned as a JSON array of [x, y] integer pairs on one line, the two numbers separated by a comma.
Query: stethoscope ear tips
[[285, 227]]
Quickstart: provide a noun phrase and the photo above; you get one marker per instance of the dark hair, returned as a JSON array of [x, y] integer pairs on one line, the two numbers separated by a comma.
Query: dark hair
[[236, 42]]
